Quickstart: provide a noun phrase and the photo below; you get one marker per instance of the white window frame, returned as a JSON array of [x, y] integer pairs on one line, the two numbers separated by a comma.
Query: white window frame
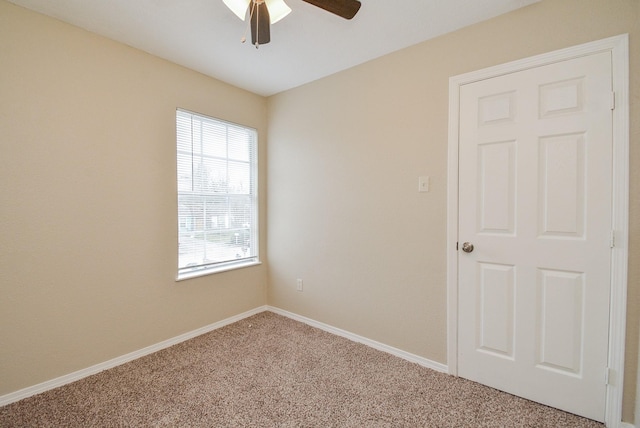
[[214, 266]]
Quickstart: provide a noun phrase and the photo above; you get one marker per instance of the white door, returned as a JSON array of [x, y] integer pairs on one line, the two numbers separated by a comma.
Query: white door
[[535, 180]]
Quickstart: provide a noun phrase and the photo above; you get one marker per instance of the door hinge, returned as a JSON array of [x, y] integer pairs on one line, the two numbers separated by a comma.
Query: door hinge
[[613, 100], [612, 239], [609, 376]]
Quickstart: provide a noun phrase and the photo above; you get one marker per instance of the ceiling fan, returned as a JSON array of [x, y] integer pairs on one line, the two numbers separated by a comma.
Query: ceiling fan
[[262, 13]]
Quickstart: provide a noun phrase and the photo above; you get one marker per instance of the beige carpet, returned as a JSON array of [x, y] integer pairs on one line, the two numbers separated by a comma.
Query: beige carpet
[[270, 371]]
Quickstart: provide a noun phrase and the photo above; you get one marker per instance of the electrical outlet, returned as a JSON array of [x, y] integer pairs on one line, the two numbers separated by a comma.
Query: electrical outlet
[[299, 284]]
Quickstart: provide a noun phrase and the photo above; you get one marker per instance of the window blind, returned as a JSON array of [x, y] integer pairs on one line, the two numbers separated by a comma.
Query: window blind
[[217, 193]]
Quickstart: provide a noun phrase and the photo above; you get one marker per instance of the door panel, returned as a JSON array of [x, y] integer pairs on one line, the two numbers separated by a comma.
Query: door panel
[[560, 315], [535, 155], [562, 185], [495, 306], [496, 192]]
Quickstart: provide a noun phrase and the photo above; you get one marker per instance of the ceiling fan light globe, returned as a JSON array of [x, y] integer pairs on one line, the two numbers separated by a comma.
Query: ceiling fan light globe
[[278, 9], [238, 7]]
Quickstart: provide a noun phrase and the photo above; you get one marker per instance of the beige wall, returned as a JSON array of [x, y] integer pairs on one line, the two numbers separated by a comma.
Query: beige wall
[[345, 153], [88, 200], [87, 189]]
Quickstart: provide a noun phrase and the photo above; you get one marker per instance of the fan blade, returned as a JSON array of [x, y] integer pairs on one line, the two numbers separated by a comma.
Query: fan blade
[[344, 8], [260, 30]]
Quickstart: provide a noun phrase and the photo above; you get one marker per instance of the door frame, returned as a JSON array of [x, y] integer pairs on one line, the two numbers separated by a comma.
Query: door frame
[[619, 48]]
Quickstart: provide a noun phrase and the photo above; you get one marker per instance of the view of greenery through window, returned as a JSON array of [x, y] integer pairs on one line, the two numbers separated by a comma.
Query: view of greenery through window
[[217, 204]]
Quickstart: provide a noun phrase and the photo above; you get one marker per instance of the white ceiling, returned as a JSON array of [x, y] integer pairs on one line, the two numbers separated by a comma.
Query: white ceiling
[[306, 45]]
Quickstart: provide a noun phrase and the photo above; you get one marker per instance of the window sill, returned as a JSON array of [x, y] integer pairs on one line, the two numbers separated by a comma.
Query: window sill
[[195, 273]]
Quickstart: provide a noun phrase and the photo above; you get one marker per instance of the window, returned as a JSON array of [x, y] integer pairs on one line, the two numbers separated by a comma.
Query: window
[[217, 195]]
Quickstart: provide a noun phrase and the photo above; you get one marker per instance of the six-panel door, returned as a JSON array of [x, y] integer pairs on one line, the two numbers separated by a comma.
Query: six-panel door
[[535, 155]]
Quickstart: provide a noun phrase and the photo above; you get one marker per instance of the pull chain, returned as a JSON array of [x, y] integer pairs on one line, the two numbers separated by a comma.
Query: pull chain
[[253, 9], [255, 3], [246, 28]]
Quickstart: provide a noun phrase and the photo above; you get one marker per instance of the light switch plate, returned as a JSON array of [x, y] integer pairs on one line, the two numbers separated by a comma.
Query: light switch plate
[[423, 183]]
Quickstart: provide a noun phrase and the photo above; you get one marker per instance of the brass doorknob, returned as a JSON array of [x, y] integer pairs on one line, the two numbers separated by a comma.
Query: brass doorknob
[[467, 247]]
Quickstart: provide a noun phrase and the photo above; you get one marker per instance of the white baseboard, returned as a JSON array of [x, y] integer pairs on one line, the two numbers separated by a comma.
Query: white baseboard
[[80, 374], [365, 341]]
